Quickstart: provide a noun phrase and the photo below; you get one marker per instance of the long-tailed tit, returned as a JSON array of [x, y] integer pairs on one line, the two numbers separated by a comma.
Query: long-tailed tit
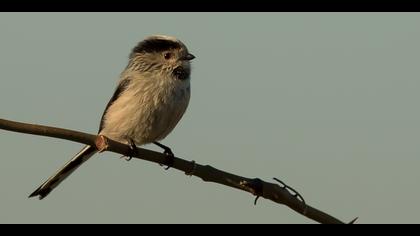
[[152, 95]]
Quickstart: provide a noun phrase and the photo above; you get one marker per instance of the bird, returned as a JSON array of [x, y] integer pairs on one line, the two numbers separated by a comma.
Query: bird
[[152, 94]]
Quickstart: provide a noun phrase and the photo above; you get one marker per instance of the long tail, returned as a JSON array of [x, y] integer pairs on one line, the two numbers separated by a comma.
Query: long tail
[[65, 171]]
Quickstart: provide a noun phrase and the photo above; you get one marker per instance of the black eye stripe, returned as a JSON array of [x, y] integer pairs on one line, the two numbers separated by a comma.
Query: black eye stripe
[[156, 45]]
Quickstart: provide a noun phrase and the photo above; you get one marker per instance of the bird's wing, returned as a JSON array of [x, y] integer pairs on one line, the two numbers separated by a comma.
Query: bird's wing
[[122, 85]]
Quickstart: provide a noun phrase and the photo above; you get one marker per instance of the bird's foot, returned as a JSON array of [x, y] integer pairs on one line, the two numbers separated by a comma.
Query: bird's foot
[[133, 148], [170, 157]]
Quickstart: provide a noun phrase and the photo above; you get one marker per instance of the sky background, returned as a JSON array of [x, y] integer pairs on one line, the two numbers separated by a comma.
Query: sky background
[[326, 102]]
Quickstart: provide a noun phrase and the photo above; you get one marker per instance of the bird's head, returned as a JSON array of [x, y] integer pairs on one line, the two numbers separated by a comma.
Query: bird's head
[[162, 54]]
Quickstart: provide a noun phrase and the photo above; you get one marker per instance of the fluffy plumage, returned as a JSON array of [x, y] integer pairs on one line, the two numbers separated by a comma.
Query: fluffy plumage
[[151, 97]]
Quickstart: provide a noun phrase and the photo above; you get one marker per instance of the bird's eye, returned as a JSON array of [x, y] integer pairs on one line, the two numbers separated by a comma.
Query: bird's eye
[[167, 55]]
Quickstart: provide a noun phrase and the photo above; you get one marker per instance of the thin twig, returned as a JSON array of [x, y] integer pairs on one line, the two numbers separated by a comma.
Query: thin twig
[[207, 173]]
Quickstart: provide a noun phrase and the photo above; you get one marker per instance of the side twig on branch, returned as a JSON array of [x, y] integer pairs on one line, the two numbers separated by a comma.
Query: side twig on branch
[[259, 188]]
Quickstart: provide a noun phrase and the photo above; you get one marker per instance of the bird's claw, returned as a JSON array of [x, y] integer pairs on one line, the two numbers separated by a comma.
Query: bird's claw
[[133, 148], [128, 158], [169, 158]]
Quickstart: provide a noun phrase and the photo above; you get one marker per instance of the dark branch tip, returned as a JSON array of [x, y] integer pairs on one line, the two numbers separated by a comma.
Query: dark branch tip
[[353, 221]]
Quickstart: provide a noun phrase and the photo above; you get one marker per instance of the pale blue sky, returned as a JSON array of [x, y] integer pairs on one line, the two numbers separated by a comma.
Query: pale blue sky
[[327, 102]]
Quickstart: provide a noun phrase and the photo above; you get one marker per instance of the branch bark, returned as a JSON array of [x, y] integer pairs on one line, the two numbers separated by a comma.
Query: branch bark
[[255, 186]]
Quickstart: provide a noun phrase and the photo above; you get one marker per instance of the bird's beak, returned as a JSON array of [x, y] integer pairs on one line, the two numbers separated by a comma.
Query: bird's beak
[[188, 57]]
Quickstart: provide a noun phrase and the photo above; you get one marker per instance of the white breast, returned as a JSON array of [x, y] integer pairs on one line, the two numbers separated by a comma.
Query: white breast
[[148, 110]]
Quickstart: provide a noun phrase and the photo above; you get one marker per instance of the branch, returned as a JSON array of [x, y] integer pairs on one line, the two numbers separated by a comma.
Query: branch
[[259, 188]]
